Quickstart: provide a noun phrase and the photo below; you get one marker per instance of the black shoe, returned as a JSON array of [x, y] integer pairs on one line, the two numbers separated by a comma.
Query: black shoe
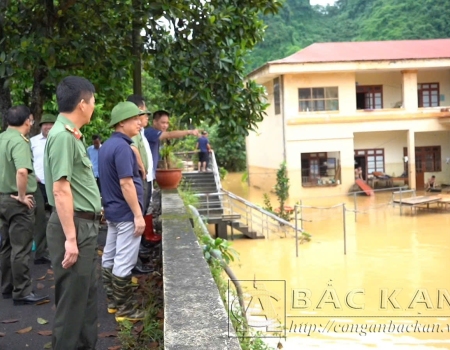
[[142, 269], [7, 295], [42, 260], [30, 299], [144, 250]]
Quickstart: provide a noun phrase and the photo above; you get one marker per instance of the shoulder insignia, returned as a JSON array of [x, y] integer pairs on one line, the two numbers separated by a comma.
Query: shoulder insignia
[[25, 138], [74, 131]]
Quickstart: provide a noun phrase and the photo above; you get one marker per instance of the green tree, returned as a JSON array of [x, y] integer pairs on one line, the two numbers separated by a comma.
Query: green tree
[[42, 41], [282, 190], [195, 49], [199, 57]]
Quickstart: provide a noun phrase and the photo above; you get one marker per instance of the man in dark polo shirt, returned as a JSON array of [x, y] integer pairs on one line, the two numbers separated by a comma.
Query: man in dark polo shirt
[[123, 197], [158, 132]]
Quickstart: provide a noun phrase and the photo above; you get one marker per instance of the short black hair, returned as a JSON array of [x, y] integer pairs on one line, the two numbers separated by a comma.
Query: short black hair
[[71, 90], [138, 100], [17, 115], [158, 114], [96, 137]]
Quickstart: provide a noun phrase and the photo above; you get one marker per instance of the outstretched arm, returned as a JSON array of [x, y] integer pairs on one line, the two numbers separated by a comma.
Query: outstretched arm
[[177, 134]]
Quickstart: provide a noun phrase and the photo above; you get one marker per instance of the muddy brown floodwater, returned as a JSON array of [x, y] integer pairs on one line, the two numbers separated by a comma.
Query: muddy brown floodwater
[[389, 291]]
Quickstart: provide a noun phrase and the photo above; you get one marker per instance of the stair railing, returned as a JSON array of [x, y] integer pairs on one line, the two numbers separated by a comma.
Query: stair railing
[[254, 217], [257, 218], [215, 170]]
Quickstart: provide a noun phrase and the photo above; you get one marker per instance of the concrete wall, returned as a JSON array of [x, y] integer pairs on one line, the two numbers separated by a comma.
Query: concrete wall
[[345, 82], [341, 149], [194, 314], [265, 146]]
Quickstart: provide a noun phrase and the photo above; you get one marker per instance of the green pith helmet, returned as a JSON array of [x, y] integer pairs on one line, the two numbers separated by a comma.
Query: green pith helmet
[[47, 118], [123, 111], [146, 111]]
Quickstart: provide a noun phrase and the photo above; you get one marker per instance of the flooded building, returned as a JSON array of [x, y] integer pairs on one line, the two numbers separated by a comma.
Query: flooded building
[[383, 106]]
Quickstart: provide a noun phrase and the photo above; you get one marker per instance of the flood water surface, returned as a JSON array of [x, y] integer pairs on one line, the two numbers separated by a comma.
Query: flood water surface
[[389, 291]]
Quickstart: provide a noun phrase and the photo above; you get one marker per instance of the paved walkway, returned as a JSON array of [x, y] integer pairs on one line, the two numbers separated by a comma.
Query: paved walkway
[[27, 315]]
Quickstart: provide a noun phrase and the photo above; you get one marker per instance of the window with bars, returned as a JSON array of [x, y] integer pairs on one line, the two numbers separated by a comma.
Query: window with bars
[[428, 94], [318, 99]]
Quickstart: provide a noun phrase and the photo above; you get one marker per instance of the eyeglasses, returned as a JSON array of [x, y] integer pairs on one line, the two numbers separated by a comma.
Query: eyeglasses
[[31, 121]]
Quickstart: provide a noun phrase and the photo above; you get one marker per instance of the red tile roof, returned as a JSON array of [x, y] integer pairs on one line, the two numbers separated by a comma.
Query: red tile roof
[[370, 51]]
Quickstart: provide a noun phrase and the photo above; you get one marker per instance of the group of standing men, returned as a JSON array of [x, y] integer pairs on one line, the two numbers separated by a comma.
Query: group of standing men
[[126, 167]]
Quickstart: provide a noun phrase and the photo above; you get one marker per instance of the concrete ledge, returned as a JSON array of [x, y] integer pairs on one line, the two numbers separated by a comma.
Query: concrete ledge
[[194, 314]]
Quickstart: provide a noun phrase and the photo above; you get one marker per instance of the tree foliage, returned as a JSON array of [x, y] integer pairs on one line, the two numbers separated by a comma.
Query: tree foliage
[[194, 48], [199, 52], [43, 41]]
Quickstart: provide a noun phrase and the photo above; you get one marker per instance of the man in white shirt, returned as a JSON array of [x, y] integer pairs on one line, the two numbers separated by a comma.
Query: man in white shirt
[[140, 103], [37, 147]]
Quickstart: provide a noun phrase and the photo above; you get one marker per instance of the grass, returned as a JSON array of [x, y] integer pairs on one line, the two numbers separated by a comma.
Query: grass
[[148, 334]]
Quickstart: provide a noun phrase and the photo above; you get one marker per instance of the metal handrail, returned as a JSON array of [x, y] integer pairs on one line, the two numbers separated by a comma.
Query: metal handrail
[[247, 205], [215, 170], [261, 210], [247, 213]]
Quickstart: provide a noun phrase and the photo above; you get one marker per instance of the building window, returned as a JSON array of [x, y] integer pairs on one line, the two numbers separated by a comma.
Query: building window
[[318, 99], [369, 97], [319, 169], [369, 160], [277, 95], [428, 159], [428, 94]]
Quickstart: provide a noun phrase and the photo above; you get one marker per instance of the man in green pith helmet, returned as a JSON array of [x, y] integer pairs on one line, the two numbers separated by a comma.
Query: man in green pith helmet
[[123, 197], [17, 205], [37, 148], [72, 229]]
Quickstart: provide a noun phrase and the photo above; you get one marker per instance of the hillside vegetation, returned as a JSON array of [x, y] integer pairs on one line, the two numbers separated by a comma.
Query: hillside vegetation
[[298, 24]]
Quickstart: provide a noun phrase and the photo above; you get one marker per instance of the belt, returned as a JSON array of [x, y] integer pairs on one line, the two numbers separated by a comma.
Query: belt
[[13, 194], [87, 215]]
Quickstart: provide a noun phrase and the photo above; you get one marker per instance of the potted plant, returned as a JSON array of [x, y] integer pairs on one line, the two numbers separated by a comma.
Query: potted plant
[[168, 173]]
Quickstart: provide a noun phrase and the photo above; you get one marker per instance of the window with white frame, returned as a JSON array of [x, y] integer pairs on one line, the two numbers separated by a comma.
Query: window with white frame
[[318, 99]]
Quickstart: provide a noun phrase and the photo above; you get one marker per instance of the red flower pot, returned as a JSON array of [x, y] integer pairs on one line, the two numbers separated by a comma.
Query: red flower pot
[[168, 179]]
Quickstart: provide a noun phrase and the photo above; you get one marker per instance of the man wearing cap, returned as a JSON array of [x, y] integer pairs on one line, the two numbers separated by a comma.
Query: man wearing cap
[[123, 197], [37, 148], [17, 185], [141, 149], [72, 229]]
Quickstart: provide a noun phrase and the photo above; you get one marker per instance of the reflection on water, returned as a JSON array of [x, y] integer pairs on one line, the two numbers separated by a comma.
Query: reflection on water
[[394, 273]]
